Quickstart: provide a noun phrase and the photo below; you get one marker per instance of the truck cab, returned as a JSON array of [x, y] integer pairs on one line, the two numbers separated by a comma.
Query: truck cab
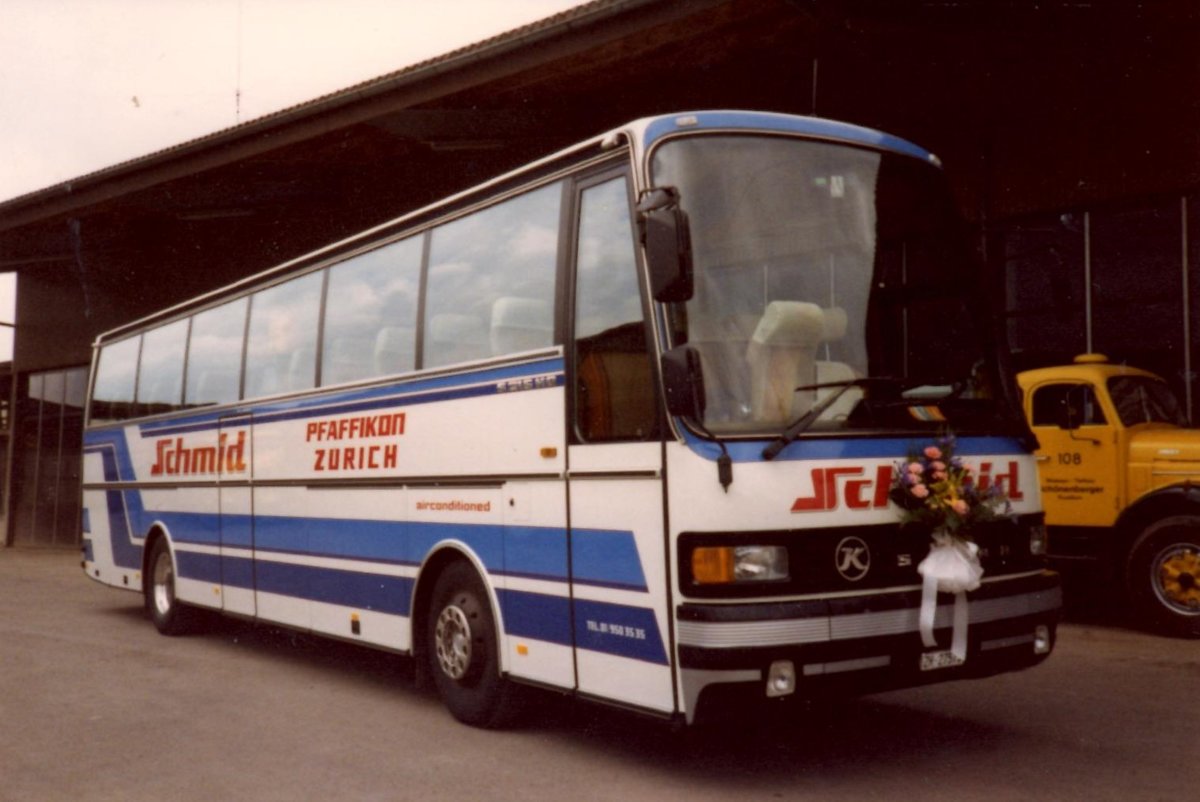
[[1120, 480]]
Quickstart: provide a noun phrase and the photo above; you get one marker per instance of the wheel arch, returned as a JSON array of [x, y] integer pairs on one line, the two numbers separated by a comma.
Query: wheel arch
[[156, 532], [439, 558], [1167, 502]]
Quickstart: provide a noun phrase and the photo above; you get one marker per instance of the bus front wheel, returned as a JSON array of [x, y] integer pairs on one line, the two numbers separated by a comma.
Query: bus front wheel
[[169, 615], [1164, 575], [462, 648]]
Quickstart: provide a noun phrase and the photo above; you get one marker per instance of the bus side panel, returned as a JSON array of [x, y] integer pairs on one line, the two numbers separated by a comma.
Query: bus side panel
[[351, 495], [620, 580], [112, 541], [533, 594]]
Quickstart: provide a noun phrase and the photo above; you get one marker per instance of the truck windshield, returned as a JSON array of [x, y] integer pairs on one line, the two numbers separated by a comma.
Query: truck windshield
[[819, 265], [1141, 399]]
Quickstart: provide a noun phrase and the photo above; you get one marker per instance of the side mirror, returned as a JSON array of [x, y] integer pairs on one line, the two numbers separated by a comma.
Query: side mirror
[[683, 382], [664, 233]]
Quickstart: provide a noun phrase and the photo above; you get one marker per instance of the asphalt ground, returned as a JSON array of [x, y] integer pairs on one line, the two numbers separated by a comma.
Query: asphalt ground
[[96, 705]]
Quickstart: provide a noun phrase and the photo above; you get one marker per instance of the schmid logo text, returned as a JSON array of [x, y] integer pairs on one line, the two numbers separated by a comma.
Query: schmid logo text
[[858, 491], [177, 459]]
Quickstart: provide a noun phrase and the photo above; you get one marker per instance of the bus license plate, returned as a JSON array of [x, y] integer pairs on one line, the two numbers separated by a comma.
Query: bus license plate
[[931, 661]]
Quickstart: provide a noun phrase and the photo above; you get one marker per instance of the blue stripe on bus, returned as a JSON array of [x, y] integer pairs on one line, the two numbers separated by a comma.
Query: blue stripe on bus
[[602, 558], [362, 591], [619, 629], [237, 572], [775, 123], [425, 391], [116, 467], [896, 448], [606, 558], [536, 615]]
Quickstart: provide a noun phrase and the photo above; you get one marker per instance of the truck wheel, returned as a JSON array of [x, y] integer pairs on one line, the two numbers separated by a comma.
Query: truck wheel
[[1163, 575], [463, 650], [169, 615]]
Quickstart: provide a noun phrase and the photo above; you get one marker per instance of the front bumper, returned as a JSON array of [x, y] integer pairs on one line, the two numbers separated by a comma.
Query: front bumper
[[862, 643]]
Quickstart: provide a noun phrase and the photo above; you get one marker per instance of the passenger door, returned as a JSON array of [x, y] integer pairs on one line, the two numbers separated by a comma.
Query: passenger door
[[619, 590]]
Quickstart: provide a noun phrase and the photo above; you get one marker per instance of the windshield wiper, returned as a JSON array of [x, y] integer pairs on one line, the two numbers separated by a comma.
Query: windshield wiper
[[802, 424]]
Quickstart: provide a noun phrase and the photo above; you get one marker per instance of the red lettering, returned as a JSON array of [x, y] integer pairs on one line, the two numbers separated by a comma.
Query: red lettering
[[824, 495], [159, 463], [1010, 482], [859, 493], [883, 485], [173, 457], [854, 499]]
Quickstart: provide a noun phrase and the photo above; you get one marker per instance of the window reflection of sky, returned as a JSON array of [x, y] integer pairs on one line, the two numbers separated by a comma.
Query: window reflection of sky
[[509, 250]]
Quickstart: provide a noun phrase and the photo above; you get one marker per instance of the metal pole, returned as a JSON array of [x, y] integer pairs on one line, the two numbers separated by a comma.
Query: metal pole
[[1087, 278]]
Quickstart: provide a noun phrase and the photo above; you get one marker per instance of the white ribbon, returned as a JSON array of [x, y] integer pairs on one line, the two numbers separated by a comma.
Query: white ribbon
[[952, 566]]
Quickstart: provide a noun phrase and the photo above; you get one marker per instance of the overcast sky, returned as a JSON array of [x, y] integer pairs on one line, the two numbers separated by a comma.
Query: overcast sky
[[85, 84]]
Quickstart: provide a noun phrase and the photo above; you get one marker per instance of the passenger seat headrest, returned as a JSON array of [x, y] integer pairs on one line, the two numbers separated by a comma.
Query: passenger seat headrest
[[795, 324]]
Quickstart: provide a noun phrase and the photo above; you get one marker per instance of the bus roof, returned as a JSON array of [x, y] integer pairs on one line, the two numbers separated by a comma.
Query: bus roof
[[652, 129], [640, 134]]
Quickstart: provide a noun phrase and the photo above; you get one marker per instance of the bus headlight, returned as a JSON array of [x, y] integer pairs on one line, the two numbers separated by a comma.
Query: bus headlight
[[712, 565]]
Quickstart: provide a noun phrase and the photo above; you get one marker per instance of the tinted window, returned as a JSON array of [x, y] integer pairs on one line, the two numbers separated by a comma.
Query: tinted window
[[281, 349], [116, 377], [160, 378], [371, 314], [491, 280], [215, 355]]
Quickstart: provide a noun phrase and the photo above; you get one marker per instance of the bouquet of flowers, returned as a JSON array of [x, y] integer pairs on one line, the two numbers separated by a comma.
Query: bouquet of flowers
[[935, 488]]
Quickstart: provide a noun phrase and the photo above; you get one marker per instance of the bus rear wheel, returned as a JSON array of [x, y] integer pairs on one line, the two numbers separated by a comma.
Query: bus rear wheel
[[463, 651], [1164, 575], [169, 615]]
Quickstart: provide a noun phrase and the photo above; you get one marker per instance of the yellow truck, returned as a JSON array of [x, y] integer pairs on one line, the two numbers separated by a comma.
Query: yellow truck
[[1120, 478]]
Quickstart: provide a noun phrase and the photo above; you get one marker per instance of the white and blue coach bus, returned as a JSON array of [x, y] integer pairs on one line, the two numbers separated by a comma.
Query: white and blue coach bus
[[621, 423]]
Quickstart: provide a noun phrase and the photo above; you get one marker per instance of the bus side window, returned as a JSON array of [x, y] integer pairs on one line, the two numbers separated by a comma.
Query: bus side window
[[116, 379], [491, 280], [160, 375], [281, 345], [371, 314], [214, 363], [614, 391]]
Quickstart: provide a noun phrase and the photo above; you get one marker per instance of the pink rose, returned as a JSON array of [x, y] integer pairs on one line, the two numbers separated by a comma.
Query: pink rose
[[915, 467], [959, 506], [938, 465], [920, 491], [933, 452]]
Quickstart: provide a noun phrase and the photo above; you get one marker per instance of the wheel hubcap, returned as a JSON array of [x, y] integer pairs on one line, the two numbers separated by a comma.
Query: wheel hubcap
[[164, 584], [452, 639], [1177, 571]]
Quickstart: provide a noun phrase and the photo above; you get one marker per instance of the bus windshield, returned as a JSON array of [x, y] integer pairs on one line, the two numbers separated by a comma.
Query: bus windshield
[[826, 269]]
